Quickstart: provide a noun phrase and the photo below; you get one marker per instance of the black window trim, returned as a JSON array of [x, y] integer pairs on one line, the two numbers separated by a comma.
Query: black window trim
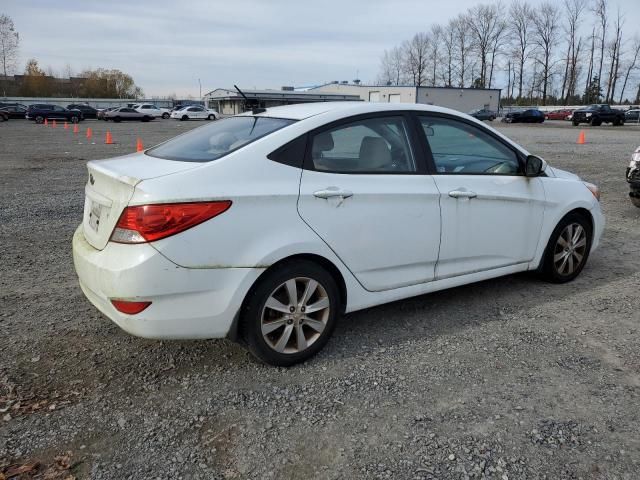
[[414, 144], [429, 155]]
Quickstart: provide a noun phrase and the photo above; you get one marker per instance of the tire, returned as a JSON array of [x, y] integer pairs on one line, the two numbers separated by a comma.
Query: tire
[[165, 115], [117, 119], [564, 258], [635, 201], [39, 119], [575, 124], [184, 117], [211, 117], [74, 119], [279, 346]]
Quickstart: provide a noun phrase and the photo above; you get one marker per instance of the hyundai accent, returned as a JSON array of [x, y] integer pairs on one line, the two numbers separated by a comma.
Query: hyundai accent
[[266, 227]]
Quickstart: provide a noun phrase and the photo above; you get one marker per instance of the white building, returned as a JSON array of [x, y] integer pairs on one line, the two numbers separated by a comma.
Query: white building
[[462, 99]]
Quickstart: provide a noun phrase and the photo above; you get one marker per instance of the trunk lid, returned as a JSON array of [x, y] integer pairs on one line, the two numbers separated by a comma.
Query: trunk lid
[[111, 185]]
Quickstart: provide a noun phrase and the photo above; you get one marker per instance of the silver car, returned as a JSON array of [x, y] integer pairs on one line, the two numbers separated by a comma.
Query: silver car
[[126, 113]]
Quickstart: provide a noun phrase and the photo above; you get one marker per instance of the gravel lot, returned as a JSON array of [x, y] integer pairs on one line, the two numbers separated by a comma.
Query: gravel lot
[[508, 379]]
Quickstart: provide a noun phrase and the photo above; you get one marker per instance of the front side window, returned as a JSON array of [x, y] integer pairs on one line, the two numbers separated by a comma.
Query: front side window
[[217, 139], [463, 149], [373, 145]]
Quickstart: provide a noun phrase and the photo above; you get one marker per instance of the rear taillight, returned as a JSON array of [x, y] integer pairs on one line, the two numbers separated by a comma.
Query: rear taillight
[[148, 223], [130, 308]]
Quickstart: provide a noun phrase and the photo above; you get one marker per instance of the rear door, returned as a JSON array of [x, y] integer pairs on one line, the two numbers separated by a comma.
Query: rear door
[[491, 212], [365, 192]]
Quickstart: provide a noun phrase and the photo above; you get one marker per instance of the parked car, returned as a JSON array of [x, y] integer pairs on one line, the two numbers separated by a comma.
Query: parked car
[[195, 112], [483, 114], [87, 110], [153, 110], [524, 116], [633, 178], [561, 114], [632, 116], [4, 115], [15, 111], [41, 111], [126, 113], [598, 114], [267, 226]]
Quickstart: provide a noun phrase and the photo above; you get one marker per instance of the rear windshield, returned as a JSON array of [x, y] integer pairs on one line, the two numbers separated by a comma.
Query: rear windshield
[[218, 138]]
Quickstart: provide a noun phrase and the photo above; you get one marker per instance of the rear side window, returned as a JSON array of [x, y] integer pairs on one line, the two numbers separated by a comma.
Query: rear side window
[[218, 139]]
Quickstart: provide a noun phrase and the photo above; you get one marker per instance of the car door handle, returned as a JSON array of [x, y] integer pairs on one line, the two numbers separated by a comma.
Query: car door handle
[[330, 192], [462, 194]]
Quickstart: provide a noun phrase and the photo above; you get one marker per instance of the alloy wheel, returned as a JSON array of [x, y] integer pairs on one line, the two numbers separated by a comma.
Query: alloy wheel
[[570, 249], [295, 315]]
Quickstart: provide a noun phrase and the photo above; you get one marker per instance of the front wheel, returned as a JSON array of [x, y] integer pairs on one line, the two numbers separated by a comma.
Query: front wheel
[[74, 119], [39, 119], [165, 115], [290, 315], [568, 249], [635, 200]]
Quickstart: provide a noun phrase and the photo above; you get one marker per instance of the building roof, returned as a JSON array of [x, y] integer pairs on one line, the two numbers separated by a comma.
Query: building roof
[[227, 94], [398, 86]]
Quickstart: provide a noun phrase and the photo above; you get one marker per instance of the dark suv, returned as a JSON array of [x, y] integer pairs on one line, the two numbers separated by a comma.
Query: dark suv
[[14, 110], [87, 110], [41, 111]]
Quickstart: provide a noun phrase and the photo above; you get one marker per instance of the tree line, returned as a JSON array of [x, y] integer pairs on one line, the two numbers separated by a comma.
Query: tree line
[[36, 82], [568, 52]]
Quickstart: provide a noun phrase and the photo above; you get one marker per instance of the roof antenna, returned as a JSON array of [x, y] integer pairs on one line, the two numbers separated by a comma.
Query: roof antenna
[[252, 104]]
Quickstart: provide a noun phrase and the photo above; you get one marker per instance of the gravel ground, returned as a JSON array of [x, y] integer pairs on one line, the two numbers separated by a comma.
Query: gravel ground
[[507, 379]]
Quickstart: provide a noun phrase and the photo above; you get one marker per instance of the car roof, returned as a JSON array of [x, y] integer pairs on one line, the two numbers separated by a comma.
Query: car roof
[[301, 111]]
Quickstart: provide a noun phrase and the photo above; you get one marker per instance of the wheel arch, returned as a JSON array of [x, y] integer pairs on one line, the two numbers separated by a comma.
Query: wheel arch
[[234, 332], [577, 210]]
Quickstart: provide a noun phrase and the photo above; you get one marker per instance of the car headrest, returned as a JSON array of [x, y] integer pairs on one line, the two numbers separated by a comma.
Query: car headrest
[[374, 153], [322, 142]]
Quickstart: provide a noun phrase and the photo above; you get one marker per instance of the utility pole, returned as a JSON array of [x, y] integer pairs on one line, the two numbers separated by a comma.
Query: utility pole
[[200, 84]]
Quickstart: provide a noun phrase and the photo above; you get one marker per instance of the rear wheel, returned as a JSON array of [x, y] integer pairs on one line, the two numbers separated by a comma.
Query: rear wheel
[[575, 123], [211, 117], [74, 119], [165, 115], [184, 117], [568, 249], [290, 315]]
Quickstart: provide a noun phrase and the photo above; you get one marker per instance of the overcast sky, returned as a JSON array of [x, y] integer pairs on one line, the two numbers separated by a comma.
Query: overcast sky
[[168, 45]]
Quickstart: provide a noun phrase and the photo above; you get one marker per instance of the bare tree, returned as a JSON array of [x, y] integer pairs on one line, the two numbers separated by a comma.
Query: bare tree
[[463, 47], [9, 43], [415, 54], [545, 23], [574, 10], [521, 13], [483, 22], [391, 67], [600, 11], [631, 66], [614, 50], [497, 44], [435, 37], [448, 44]]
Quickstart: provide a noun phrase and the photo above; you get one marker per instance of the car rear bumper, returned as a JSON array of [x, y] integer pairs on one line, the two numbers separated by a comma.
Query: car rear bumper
[[186, 303]]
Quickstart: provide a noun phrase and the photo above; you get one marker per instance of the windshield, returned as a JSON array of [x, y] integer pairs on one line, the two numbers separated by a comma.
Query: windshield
[[217, 139]]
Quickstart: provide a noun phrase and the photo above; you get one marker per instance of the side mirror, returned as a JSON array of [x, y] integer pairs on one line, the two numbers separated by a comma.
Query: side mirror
[[534, 166]]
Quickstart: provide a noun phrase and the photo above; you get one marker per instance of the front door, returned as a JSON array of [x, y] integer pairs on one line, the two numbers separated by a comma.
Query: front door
[[365, 194], [491, 212]]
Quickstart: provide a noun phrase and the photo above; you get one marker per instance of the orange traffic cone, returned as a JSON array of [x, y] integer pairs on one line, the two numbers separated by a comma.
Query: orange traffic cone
[[139, 146], [581, 139], [76, 129], [66, 125], [89, 133], [46, 122], [108, 139], [54, 124]]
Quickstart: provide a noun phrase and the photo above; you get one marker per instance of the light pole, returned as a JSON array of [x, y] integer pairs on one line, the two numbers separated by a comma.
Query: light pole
[[200, 84]]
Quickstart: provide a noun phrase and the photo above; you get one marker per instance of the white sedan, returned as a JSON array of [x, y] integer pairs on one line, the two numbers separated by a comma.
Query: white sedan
[[266, 227], [195, 112], [152, 110]]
